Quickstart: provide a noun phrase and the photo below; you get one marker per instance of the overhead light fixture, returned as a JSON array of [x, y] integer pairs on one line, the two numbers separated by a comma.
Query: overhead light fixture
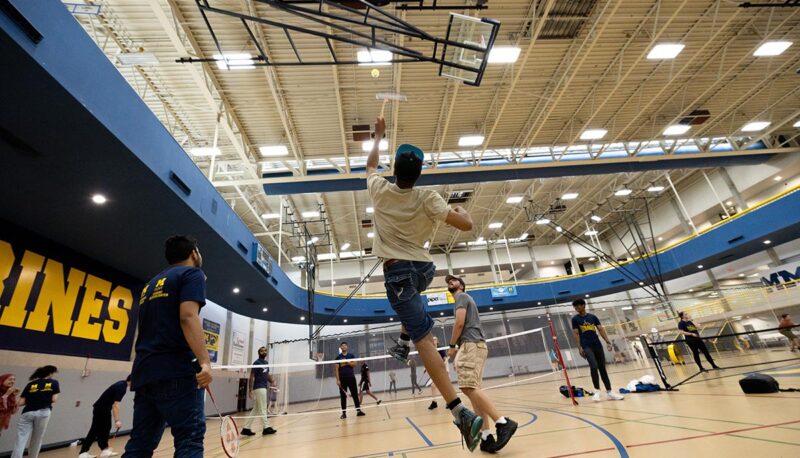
[[767, 242], [129, 59], [796, 124], [741, 275], [655, 189], [538, 303], [302, 318], [552, 263], [777, 178], [623, 192], [592, 258], [366, 146], [441, 313], [503, 55], [312, 241], [333, 282], [591, 232], [370, 209], [570, 196], [522, 265], [345, 320], [641, 283], [596, 218], [344, 246], [462, 271], [495, 225], [677, 129], [99, 199], [298, 259], [514, 200], [271, 216], [374, 57], [264, 309], [471, 140], [273, 151], [699, 266], [772, 48], [587, 295], [491, 308], [661, 239], [234, 61], [204, 151], [593, 134], [235, 290], [559, 229], [427, 244], [524, 236], [391, 319], [542, 221], [691, 290], [627, 308], [665, 51], [755, 126], [370, 235]]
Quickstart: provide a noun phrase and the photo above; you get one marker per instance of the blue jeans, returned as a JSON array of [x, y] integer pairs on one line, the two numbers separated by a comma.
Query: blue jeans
[[175, 402], [405, 280]]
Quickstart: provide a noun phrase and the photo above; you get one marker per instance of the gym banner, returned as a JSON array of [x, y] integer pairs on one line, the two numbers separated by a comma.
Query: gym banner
[[56, 301]]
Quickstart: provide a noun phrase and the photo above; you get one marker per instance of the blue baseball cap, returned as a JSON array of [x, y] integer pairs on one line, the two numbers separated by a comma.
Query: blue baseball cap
[[407, 148]]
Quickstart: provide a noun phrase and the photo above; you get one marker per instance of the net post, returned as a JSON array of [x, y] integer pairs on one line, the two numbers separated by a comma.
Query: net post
[[557, 348], [657, 362]]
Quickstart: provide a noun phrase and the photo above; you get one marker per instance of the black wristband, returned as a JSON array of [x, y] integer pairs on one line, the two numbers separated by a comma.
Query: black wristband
[[452, 346]]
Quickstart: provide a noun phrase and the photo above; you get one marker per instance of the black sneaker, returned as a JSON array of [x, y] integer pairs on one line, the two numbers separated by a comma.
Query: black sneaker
[[399, 351], [360, 413], [488, 444], [247, 432], [433, 405], [344, 415], [470, 426], [268, 430], [504, 433]]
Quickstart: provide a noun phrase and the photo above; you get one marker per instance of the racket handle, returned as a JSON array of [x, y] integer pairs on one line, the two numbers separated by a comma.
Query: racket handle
[[383, 107], [196, 365]]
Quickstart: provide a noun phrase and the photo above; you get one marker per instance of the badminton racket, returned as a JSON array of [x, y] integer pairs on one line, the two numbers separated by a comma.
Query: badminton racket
[[228, 431]]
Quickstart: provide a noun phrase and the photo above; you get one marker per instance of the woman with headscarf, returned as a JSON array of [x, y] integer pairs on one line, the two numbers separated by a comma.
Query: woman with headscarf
[[8, 400]]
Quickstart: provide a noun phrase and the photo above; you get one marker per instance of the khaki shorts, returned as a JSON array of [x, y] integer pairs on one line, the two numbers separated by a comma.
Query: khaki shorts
[[469, 364]]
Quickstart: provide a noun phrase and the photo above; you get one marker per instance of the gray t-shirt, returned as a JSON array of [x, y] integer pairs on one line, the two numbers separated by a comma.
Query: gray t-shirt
[[472, 331]]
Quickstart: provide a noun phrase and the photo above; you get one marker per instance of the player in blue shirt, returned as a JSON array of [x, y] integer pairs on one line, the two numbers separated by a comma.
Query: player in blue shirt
[[106, 405], [38, 397], [693, 340], [258, 383], [168, 390], [346, 380], [585, 327]]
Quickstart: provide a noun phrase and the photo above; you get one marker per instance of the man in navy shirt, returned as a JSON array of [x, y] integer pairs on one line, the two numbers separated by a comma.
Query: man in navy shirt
[[693, 340], [106, 405], [168, 390], [259, 381], [346, 380], [585, 327]]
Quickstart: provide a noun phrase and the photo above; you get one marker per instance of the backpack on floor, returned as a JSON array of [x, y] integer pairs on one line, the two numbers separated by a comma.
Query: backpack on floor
[[579, 392], [759, 384]]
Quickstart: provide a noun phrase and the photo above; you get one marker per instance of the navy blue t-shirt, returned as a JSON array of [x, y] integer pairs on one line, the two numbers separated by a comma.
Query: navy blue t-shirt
[[587, 327], [345, 370], [112, 394], [161, 349], [39, 393], [260, 374], [688, 326]]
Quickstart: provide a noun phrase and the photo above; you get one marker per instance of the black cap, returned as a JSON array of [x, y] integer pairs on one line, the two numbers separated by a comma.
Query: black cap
[[453, 277]]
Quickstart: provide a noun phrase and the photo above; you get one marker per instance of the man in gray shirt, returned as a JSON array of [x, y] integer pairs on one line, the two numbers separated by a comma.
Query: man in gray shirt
[[468, 348]]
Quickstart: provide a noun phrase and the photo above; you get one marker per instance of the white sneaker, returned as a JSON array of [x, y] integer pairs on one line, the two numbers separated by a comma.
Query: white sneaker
[[596, 396], [612, 396], [108, 452], [86, 455]]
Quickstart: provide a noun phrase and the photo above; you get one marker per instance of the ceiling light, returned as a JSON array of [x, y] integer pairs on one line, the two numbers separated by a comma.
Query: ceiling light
[[370, 235], [522, 265], [627, 308], [570, 196], [538, 303], [312, 241], [204, 151], [298, 259], [741, 275], [471, 140], [264, 309], [129, 59], [503, 55], [767, 242], [592, 258], [655, 189], [311, 214], [370, 209], [270, 215], [514, 200], [587, 295], [495, 225], [552, 262], [591, 232], [777, 178], [234, 61], [623, 192], [593, 134], [441, 313], [333, 282], [374, 57], [699, 266], [344, 246], [462, 271], [729, 203], [661, 239], [99, 199], [427, 244], [665, 51], [366, 146], [235, 290], [772, 48], [542, 221], [302, 318], [755, 126], [345, 320], [391, 319], [677, 129], [797, 124], [523, 236], [559, 229], [491, 308], [596, 218], [691, 290], [273, 151]]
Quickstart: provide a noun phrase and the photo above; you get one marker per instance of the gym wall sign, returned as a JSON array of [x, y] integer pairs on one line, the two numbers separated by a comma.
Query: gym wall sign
[[55, 301]]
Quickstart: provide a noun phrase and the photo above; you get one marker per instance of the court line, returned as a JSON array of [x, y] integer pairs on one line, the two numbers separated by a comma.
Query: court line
[[419, 431], [740, 430], [623, 453]]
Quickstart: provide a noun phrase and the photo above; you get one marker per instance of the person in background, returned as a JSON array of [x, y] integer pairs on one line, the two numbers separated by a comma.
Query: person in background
[[365, 384], [434, 390], [8, 400], [554, 360], [258, 383], [393, 382], [585, 327], [38, 398], [106, 405], [785, 327], [346, 380], [412, 363], [693, 340], [273, 400]]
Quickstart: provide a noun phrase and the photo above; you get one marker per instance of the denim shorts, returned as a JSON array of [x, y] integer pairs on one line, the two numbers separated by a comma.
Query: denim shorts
[[405, 281]]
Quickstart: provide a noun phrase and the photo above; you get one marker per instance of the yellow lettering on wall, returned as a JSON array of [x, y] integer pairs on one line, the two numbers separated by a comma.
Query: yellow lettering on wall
[[91, 306], [114, 329], [14, 314], [6, 263], [61, 299]]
